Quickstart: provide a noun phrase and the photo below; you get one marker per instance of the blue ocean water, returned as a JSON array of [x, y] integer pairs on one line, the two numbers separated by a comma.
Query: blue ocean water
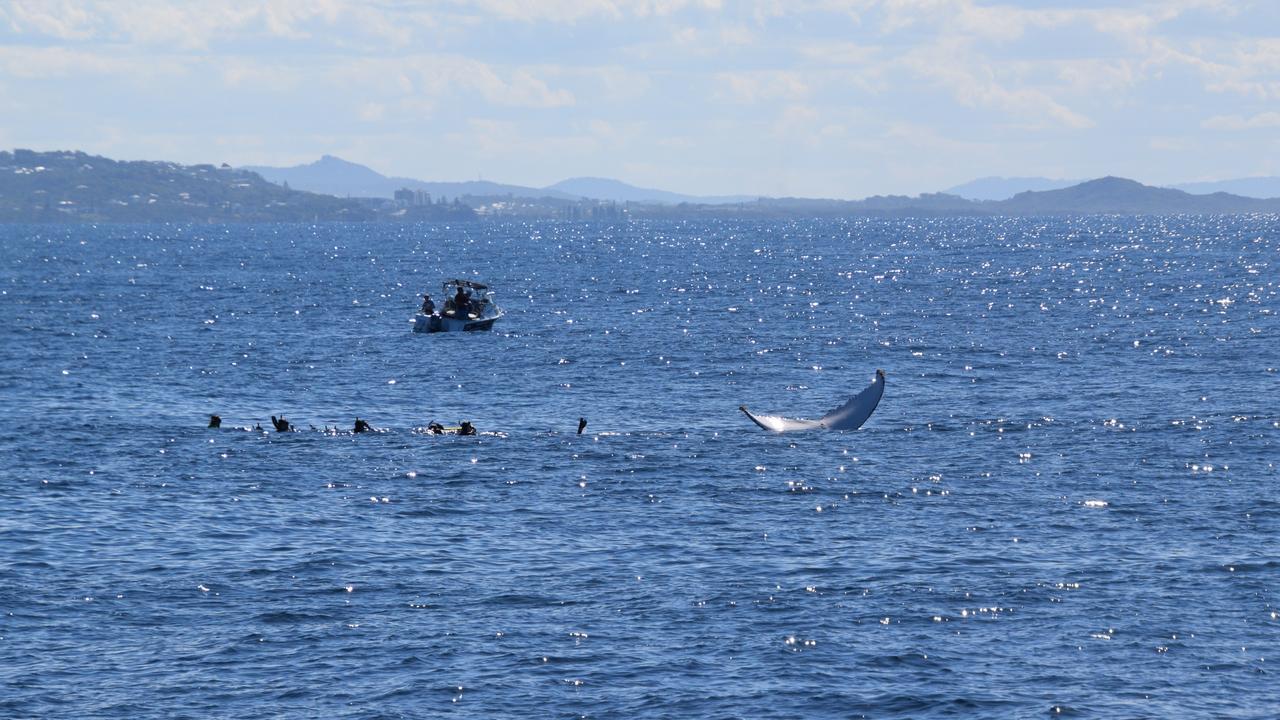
[[1065, 505]]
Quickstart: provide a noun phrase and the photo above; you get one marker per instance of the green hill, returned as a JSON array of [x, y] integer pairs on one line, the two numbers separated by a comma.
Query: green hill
[[76, 187]]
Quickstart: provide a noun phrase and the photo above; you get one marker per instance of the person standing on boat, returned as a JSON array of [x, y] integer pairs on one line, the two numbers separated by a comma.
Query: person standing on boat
[[428, 307], [460, 302]]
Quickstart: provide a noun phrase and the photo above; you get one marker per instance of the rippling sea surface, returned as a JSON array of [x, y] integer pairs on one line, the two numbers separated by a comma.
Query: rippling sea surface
[[1066, 503]]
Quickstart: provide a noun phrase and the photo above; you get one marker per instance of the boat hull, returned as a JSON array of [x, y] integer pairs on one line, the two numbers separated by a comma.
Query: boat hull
[[445, 323]]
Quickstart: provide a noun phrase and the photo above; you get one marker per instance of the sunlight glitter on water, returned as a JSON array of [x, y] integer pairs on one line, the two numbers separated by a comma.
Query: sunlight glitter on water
[[952, 517]]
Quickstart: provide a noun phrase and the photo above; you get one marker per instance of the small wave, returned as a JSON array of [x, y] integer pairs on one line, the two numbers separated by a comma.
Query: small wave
[[520, 600], [288, 617]]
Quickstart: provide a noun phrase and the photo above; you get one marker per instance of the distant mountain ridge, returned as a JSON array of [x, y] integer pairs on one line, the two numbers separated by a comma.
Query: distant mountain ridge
[[1003, 188], [618, 191], [335, 176], [1254, 187], [1103, 196], [72, 186], [332, 175], [1113, 195]]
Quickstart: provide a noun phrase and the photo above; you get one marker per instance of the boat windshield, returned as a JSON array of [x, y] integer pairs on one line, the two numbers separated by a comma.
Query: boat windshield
[[451, 286], [479, 297]]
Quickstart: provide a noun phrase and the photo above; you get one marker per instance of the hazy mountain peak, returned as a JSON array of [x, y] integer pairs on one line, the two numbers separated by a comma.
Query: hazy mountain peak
[[93, 189], [617, 191], [1255, 187], [1113, 181], [1003, 188], [610, 189], [1115, 195], [1107, 185], [334, 176]]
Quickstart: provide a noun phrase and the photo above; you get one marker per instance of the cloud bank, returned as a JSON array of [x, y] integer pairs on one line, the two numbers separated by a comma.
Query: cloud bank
[[833, 98]]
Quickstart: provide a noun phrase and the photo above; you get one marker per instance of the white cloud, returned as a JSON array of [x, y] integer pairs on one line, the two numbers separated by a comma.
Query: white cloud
[[611, 134], [195, 25], [573, 11], [1246, 67], [57, 19], [613, 83], [679, 144], [997, 22], [737, 35], [525, 89], [432, 77], [521, 88], [797, 121], [1237, 122], [1086, 76], [688, 36], [806, 126], [241, 140], [372, 112], [973, 82], [842, 53], [47, 63], [1170, 144], [510, 143], [759, 87], [258, 74], [674, 83]]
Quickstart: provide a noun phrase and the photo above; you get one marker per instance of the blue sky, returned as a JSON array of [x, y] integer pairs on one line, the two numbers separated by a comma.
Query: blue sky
[[822, 98]]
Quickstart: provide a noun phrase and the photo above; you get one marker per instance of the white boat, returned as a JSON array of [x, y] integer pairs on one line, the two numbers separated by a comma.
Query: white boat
[[468, 307]]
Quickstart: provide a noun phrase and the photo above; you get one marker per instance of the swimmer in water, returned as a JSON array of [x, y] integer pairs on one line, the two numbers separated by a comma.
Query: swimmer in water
[[281, 424], [215, 421], [582, 425], [361, 426], [435, 428], [466, 428]]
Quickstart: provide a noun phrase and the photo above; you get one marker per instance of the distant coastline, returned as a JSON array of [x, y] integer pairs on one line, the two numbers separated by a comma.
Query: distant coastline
[[74, 187]]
